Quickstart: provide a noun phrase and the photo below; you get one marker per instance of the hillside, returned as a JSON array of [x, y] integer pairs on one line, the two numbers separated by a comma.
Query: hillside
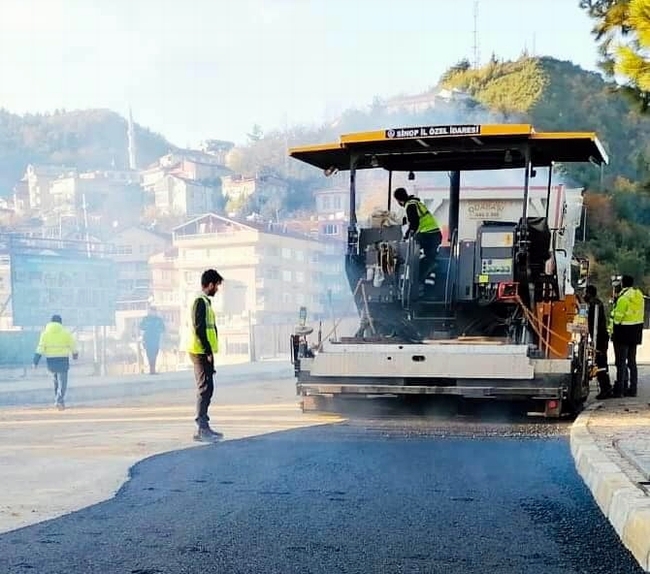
[[556, 95], [88, 139], [551, 95]]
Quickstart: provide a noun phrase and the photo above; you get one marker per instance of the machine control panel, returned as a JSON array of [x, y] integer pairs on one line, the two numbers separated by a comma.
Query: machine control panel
[[496, 266], [495, 249]]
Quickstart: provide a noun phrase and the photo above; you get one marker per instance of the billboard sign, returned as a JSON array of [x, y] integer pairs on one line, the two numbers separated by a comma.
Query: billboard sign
[[83, 290]]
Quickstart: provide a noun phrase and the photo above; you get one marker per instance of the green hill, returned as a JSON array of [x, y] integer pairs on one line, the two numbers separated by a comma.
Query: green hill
[[551, 95], [88, 139], [557, 95]]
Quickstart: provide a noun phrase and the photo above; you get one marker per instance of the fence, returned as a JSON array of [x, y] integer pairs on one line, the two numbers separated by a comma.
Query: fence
[[127, 357]]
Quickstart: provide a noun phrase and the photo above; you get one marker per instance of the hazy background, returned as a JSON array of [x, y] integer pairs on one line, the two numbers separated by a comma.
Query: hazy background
[[203, 68]]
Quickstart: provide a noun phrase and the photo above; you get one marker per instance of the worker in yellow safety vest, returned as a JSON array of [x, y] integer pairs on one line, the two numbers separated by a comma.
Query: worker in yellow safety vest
[[628, 315], [423, 226], [56, 344], [203, 344]]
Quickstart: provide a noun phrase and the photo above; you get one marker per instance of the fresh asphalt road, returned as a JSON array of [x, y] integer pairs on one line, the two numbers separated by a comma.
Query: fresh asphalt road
[[406, 494]]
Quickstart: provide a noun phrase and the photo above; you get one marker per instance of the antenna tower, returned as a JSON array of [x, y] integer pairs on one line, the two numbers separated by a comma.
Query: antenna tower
[[475, 48]]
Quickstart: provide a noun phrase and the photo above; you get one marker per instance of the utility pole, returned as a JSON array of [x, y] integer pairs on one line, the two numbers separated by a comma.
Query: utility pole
[[97, 368]]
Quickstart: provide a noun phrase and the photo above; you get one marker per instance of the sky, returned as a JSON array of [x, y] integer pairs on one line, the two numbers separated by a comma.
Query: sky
[[213, 68]]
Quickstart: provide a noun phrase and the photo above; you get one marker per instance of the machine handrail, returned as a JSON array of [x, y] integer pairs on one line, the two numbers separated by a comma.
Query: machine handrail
[[453, 245]]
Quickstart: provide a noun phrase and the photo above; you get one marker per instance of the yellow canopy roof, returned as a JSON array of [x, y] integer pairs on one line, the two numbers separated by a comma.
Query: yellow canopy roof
[[454, 147]]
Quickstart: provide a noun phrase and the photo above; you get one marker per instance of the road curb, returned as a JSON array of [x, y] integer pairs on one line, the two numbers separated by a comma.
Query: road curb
[[624, 504]]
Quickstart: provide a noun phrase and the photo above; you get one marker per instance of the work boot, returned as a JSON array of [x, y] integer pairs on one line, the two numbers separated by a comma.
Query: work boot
[[203, 435], [206, 434], [216, 434], [604, 394], [630, 392]]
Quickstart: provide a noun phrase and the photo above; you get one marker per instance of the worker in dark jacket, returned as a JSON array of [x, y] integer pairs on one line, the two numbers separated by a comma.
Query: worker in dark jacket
[[596, 308], [152, 327], [202, 346], [423, 226]]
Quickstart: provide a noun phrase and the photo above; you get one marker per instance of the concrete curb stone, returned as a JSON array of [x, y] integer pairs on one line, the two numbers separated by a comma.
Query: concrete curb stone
[[623, 502]]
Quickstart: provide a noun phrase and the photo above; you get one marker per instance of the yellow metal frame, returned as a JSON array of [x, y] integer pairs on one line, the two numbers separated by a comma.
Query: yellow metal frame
[[492, 131]]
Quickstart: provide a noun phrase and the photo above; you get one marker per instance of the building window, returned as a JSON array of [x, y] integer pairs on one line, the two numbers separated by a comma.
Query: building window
[[286, 253], [300, 256], [336, 202], [286, 275], [124, 249], [325, 202], [330, 229], [287, 298], [272, 273], [300, 277], [300, 299], [260, 296]]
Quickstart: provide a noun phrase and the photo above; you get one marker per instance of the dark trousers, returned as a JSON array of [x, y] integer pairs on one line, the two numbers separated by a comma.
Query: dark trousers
[[429, 242], [625, 359], [204, 377], [603, 370], [152, 355], [60, 379], [59, 367]]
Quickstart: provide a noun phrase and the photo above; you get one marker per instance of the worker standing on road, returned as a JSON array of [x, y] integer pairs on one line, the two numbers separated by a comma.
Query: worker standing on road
[[424, 227], [152, 327], [203, 345], [602, 340], [56, 344], [628, 316]]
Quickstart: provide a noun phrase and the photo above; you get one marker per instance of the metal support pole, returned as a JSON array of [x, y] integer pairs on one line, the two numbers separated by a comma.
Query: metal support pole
[[103, 365], [352, 226], [96, 361], [454, 203], [602, 178], [526, 183], [390, 188], [251, 338], [548, 190]]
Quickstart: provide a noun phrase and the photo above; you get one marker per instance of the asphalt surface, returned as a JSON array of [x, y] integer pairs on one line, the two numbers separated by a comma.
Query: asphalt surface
[[411, 494]]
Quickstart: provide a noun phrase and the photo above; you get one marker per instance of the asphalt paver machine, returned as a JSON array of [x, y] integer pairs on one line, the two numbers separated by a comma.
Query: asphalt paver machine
[[503, 320]]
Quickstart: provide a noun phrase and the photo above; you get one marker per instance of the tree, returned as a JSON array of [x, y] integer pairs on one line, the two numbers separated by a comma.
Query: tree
[[256, 134], [622, 30]]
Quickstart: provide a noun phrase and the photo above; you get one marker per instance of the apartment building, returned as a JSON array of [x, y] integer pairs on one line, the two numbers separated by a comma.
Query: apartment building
[[269, 273]]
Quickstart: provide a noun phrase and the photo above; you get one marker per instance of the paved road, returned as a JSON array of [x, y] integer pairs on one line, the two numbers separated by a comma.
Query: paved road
[[37, 388], [367, 496]]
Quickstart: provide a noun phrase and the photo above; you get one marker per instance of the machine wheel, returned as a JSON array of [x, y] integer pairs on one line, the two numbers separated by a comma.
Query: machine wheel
[[313, 403], [579, 386]]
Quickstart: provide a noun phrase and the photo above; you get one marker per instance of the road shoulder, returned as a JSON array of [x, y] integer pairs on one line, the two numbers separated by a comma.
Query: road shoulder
[[53, 463], [610, 443]]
